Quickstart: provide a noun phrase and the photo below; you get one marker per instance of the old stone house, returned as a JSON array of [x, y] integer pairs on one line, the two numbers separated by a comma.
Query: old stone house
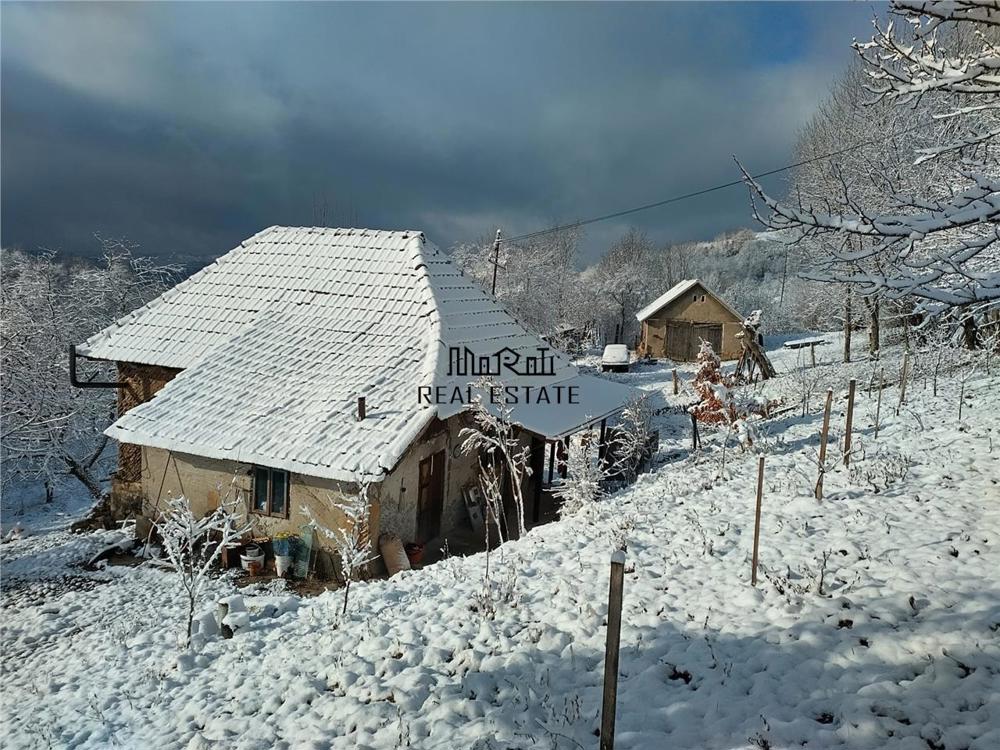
[[674, 324], [308, 360]]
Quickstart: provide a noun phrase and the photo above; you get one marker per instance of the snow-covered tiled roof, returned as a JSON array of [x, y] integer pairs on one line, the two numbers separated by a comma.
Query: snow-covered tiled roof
[[279, 337], [673, 293]]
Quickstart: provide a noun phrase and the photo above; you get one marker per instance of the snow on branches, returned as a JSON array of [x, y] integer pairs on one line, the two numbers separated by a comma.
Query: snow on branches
[[715, 401], [939, 249], [630, 444], [929, 253], [585, 475], [352, 539], [494, 437], [192, 545], [49, 428]]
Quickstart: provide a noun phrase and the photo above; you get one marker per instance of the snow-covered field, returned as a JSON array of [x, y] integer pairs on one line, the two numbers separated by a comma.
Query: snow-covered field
[[876, 622]]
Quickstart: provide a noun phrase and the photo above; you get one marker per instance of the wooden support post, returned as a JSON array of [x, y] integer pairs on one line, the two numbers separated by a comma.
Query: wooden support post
[[756, 520], [537, 467], [850, 421], [903, 377], [812, 354], [552, 460], [611, 650], [564, 458], [822, 443], [674, 371], [878, 402]]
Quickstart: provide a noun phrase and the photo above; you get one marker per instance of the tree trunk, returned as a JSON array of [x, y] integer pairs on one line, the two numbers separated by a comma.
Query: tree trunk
[[874, 327], [81, 472], [847, 326], [191, 604], [970, 333]]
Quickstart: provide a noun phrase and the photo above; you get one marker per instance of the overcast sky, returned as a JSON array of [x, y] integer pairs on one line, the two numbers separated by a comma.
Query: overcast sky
[[187, 127]]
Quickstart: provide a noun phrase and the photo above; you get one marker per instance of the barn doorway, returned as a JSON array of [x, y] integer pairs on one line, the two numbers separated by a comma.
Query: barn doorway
[[712, 333], [684, 339], [430, 496]]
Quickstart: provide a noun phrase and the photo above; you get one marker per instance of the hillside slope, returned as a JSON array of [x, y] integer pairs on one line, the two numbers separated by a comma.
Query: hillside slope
[[875, 622]]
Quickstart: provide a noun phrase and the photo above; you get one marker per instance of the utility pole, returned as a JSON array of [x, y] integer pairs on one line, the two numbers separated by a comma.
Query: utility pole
[[496, 262]]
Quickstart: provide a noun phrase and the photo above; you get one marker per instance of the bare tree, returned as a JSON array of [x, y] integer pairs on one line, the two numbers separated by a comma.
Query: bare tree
[[352, 540], [938, 248], [192, 545], [494, 436], [626, 282], [537, 279], [49, 428]]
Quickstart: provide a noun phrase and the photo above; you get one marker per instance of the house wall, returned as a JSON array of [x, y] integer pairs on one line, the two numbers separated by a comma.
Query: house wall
[[400, 488], [690, 309], [206, 481], [142, 382]]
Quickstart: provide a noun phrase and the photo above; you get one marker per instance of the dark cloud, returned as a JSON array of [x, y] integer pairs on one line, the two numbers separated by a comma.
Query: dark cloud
[[190, 126]]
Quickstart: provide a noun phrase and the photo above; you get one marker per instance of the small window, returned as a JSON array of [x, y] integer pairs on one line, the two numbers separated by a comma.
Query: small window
[[694, 298], [703, 298], [270, 491]]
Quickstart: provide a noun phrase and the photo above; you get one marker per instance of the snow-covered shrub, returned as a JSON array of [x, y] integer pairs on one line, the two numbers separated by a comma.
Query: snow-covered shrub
[[630, 445], [192, 545], [585, 474], [352, 541], [715, 404], [880, 470]]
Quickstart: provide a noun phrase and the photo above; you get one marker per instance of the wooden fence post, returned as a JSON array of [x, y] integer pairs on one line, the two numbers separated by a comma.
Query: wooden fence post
[[822, 443], [878, 403], [850, 421], [756, 520], [675, 380], [611, 650], [695, 437]]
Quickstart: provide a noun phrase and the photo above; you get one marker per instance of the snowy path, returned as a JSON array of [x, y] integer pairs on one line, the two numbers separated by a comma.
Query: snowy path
[[901, 649]]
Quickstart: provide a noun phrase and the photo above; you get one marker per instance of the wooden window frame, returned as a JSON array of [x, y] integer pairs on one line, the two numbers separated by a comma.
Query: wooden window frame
[[269, 510]]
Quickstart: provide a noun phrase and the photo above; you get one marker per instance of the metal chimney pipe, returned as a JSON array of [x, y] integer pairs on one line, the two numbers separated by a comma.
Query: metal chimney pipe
[[361, 408]]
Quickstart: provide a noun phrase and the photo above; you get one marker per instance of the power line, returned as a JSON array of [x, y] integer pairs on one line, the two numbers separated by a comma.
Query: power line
[[714, 188]]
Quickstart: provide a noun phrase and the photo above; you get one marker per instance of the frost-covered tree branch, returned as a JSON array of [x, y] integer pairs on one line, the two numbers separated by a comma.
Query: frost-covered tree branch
[[493, 436], [908, 68], [919, 221], [352, 540], [49, 429], [191, 545], [929, 255]]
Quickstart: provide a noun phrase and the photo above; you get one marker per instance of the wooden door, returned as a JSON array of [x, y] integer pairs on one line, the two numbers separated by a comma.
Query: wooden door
[[657, 339], [712, 333], [430, 497], [678, 345]]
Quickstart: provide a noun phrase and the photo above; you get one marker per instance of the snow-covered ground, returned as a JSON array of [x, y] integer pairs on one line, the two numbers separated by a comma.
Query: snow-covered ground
[[876, 622]]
